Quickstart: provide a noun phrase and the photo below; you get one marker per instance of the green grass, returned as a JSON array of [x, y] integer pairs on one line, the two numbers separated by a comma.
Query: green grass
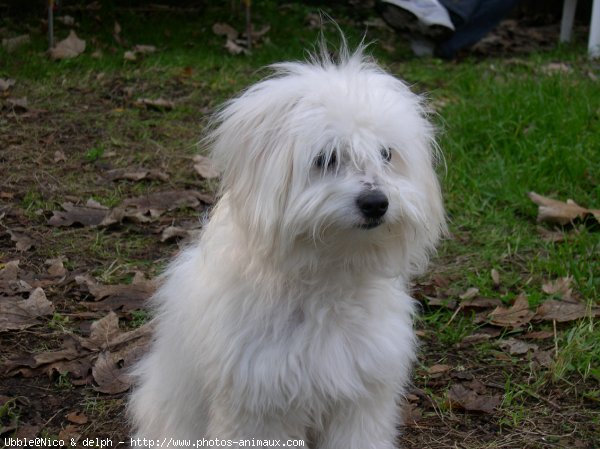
[[578, 353]]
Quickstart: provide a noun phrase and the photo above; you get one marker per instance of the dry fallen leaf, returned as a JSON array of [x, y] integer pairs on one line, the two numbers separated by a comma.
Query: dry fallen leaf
[[28, 431], [556, 67], [560, 287], [136, 174], [111, 368], [59, 156], [476, 385], [480, 303], [514, 316], [110, 378], [160, 104], [77, 417], [554, 211], [56, 267], [495, 277], [70, 47], [11, 44], [562, 311], [473, 339], [178, 232], [102, 331], [129, 56], [544, 358], [70, 432], [516, 347], [234, 48], [470, 293], [313, 20], [140, 209], [144, 49], [92, 214], [410, 415], [224, 29], [469, 400], [117, 33], [113, 297], [18, 104], [6, 84], [45, 362], [17, 313], [483, 334], [22, 241], [538, 335], [205, 167], [108, 353], [155, 204], [66, 20], [9, 271], [438, 370]]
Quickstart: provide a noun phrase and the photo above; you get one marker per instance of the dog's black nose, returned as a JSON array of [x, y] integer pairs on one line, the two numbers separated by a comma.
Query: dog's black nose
[[372, 204]]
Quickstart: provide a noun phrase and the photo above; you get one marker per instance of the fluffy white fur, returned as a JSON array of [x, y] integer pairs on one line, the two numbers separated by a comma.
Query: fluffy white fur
[[289, 319]]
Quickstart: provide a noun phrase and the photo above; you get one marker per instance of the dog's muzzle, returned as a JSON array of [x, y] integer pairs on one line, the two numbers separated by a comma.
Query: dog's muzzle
[[372, 205]]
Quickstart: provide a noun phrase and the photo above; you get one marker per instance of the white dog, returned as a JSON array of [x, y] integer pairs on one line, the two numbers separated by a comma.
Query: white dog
[[290, 318]]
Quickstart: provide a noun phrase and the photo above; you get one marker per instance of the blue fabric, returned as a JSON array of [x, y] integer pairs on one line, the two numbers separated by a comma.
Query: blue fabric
[[472, 19]]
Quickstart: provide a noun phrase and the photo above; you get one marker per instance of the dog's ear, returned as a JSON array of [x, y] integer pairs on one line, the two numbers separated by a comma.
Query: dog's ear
[[252, 146], [431, 226]]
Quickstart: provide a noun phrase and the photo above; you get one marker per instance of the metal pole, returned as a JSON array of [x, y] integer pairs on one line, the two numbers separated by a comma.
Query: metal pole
[[568, 16], [248, 24], [594, 42], [50, 24]]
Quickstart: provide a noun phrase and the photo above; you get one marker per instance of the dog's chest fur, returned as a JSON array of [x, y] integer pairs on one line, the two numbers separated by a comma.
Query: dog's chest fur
[[321, 347]]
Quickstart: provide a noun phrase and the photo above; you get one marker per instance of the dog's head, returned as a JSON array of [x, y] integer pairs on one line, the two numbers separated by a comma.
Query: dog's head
[[332, 158]]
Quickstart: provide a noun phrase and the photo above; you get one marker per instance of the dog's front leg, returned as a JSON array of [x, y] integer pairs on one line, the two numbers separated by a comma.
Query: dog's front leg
[[369, 423], [245, 429]]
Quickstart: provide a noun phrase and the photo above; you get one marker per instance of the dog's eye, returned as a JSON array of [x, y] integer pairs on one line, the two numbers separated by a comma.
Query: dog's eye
[[386, 154], [327, 161]]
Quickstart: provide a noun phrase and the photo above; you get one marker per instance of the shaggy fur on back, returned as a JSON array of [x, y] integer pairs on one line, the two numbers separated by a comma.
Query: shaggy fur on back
[[290, 318]]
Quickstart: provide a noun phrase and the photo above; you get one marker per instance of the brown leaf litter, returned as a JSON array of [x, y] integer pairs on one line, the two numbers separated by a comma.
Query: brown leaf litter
[[158, 104], [70, 47], [560, 287], [515, 346], [15, 281], [92, 214], [124, 297], [13, 43], [464, 398], [22, 241], [18, 314], [237, 43], [77, 417], [205, 167], [6, 83], [155, 204], [561, 213], [186, 232], [136, 174], [515, 316], [107, 352], [131, 55], [141, 209], [563, 311], [519, 314]]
